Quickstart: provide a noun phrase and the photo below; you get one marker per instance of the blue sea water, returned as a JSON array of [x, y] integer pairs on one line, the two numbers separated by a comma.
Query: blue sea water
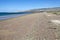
[[4, 16]]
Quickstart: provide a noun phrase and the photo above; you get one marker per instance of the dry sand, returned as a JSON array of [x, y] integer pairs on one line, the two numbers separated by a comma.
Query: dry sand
[[36, 26]]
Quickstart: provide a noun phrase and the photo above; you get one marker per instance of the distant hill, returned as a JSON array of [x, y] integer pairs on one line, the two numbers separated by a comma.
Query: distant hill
[[45, 9], [36, 10]]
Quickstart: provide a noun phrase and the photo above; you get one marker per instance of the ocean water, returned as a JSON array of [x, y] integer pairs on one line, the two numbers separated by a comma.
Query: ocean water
[[4, 16]]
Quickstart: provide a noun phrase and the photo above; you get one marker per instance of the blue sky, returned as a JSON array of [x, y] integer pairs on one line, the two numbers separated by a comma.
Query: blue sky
[[18, 5]]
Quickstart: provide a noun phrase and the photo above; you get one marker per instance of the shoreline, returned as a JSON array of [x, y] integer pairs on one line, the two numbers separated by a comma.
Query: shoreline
[[13, 16]]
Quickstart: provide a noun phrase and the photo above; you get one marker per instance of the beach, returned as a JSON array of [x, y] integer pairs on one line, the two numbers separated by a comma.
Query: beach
[[37, 26]]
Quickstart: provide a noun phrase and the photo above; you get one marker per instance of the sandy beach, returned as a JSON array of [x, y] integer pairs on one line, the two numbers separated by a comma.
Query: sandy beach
[[36, 26]]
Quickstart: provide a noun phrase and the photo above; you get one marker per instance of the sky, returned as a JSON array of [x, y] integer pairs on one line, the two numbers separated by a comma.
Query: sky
[[22, 5]]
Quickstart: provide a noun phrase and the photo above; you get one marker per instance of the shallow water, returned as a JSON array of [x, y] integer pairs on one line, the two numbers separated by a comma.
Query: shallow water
[[10, 16], [4, 16]]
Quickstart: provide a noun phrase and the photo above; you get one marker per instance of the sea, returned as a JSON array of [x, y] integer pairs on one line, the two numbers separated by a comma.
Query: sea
[[6, 15]]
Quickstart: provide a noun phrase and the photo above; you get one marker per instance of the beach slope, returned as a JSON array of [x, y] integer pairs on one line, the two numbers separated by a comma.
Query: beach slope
[[29, 27]]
